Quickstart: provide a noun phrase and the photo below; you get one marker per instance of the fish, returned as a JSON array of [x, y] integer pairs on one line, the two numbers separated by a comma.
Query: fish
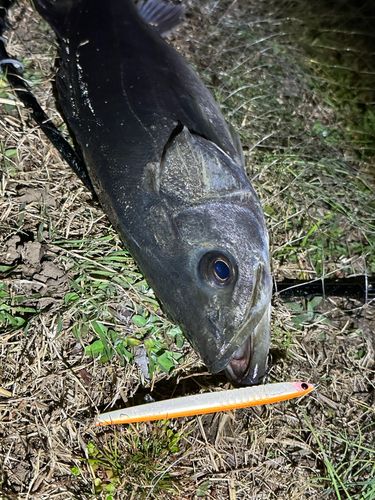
[[169, 173], [208, 402]]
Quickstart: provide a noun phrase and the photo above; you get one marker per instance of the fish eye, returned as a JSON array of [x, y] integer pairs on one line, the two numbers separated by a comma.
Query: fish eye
[[217, 269], [221, 270]]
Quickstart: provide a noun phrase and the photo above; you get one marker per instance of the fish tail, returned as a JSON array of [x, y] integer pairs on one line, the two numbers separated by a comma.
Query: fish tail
[[164, 17]]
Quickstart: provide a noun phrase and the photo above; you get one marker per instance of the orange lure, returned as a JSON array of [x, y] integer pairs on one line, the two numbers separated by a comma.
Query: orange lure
[[208, 402]]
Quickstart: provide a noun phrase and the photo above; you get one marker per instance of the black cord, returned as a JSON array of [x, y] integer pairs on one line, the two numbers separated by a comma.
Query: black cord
[[13, 72]]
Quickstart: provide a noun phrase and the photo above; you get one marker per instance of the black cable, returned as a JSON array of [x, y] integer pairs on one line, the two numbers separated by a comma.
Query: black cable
[[360, 287], [13, 74]]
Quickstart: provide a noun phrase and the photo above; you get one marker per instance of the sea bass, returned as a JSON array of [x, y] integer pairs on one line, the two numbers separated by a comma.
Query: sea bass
[[170, 175]]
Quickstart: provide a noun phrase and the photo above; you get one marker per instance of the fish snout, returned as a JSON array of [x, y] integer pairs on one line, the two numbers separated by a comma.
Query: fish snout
[[248, 364], [239, 365]]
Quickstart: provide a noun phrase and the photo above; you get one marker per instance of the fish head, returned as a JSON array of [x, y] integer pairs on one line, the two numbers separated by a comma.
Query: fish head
[[230, 290], [218, 284]]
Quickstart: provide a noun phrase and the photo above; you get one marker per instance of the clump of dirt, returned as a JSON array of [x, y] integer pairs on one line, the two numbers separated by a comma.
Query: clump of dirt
[[27, 253], [33, 271], [30, 195]]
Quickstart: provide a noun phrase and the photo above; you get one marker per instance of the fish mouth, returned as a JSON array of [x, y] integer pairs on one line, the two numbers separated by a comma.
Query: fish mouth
[[241, 370], [238, 367], [248, 364]]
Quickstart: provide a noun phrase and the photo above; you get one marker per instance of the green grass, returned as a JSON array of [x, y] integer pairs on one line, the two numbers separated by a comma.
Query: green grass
[[135, 461], [7, 157], [350, 475], [104, 278], [109, 305], [308, 130], [329, 202]]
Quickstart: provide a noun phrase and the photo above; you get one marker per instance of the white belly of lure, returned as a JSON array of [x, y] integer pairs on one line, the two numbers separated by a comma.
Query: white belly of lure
[[207, 403]]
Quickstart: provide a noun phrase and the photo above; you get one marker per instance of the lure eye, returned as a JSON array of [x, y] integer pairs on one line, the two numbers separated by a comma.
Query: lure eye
[[217, 269]]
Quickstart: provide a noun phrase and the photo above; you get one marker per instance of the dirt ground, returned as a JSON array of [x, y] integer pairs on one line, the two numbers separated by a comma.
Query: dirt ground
[[81, 332]]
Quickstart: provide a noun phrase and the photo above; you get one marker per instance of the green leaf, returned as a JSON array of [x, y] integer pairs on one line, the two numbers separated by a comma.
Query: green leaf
[[71, 297], [151, 368], [102, 332], [303, 318], [313, 303], [165, 363], [95, 349], [76, 471], [124, 352], [11, 153], [4, 269], [180, 340], [295, 306], [91, 449], [77, 332], [99, 328], [202, 491], [15, 321], [139, 320], [24, 309], [132, 342], [177, 355], [149, 344], [314, 228], [59, 326]]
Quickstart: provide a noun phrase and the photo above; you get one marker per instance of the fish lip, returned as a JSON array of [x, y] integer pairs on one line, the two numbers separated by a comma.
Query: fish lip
[[244, 371], [256, 327], [248, 364], [238, 367]]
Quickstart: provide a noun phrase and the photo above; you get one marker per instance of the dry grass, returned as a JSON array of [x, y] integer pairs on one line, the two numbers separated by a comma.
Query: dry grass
[[67, 281]]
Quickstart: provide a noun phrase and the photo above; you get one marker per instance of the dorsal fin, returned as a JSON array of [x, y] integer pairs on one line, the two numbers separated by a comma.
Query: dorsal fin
[[165, 17]]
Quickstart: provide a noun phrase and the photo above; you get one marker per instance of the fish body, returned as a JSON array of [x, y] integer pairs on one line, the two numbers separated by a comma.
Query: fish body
[[170, 175]]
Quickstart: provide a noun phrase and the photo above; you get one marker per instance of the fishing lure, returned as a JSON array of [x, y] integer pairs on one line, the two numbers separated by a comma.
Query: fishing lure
[[207, 403]]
